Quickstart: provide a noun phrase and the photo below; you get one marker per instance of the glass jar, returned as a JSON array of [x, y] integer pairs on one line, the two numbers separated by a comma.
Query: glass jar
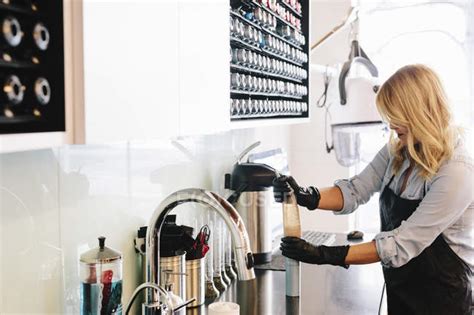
[[101, 280]]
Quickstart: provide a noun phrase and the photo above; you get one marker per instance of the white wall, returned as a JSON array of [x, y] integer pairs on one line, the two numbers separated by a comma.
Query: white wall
[[309, 162], [54, 203]]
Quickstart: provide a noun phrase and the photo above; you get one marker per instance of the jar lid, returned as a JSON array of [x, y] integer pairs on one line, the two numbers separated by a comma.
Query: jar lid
[[101, 254]]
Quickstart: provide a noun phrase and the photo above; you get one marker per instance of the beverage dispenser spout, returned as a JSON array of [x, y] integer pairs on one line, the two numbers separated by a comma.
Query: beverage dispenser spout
[[231, 217]]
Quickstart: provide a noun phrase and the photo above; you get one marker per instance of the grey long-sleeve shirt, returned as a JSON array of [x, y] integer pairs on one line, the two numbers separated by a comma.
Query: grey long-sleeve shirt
[[447, 207]]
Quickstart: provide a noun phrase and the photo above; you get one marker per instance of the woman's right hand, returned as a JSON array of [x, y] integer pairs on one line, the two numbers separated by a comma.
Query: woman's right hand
[[306, 197]]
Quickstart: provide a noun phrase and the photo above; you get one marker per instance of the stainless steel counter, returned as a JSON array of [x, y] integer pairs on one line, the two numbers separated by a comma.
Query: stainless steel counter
[[324, 290]]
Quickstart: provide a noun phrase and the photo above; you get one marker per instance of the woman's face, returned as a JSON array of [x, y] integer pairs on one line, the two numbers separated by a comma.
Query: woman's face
[[402, 133]]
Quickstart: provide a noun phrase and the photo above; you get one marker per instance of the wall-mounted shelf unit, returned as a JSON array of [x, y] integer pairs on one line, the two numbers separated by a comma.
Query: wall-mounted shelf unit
[[269, 66], [31, 67]]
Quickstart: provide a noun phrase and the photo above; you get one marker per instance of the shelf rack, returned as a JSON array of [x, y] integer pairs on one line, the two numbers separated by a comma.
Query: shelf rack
[[250, 93], [244, 44], [264, 73], [266, 30], [288, 7], [240, 9], [279, 18]]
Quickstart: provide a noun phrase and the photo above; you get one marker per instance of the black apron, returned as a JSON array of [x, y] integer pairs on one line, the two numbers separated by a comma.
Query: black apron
[[437, 281]]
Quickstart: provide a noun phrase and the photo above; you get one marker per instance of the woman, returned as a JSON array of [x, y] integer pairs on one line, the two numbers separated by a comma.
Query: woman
[[425, 180]]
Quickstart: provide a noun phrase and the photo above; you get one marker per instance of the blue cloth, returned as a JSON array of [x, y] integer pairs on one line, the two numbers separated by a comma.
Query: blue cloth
[[447, 208]]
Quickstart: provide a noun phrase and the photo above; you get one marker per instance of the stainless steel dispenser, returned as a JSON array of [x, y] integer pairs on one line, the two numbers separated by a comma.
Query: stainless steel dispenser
[[252, 197]]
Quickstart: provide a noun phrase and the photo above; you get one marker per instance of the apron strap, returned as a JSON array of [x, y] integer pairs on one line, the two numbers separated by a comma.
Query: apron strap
[[390, 181]]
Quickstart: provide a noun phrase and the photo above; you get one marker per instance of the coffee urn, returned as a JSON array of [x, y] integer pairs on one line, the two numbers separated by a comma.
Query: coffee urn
[[252, 196]]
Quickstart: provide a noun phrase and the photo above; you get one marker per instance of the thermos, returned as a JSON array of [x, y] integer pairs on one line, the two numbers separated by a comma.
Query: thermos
[[252, 196], [101, 281]]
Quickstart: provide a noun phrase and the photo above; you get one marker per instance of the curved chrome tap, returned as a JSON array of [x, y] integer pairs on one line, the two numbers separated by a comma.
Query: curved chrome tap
[[240, 240]]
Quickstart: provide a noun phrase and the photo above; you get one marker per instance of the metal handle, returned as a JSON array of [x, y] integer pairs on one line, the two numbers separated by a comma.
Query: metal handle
[[183, 305], [247, 150]]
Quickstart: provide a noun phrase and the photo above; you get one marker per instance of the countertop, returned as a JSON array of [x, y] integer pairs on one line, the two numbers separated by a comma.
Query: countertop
[[324, 290]]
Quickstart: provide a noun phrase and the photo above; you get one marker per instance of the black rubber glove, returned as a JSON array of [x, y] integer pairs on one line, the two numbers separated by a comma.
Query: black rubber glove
[[298, 249], [306, 197]]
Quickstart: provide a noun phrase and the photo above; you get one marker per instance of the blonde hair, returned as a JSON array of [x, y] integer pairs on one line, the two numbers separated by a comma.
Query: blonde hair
[[414, 98]]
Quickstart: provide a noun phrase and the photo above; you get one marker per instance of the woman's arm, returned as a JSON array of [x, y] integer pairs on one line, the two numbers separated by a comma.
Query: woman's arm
[[364, 253], [348, 194], [331, 199]]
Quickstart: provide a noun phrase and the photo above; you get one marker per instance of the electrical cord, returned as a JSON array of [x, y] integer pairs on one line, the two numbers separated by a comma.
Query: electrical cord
[[328, 115], [381, 298], [321, 102]]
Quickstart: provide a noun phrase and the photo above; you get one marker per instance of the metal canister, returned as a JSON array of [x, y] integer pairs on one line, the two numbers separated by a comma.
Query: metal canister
[[195, 286], [273, 67], [101, 280], [304, 107], [250, 57], [231, 25], [261, 107], [256, 37], [241, 29], [266, 106], [255, 83], [265, 17], [256, 107], [264, 85], [259, 85], [257, 12], [237, 106], [244, 107], [250, 85], [298, 107], [250, 107], [268, 41], [248, 33], [232, 107], [244, 82], [235, 80], [242, 56], [233, 54]]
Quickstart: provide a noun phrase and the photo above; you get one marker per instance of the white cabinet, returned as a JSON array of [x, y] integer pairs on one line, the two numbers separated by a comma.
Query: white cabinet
[[155, 69], [131, 83], [204, 66]]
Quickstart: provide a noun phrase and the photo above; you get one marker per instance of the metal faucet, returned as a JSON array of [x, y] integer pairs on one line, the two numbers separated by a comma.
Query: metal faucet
[[240, 240]]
